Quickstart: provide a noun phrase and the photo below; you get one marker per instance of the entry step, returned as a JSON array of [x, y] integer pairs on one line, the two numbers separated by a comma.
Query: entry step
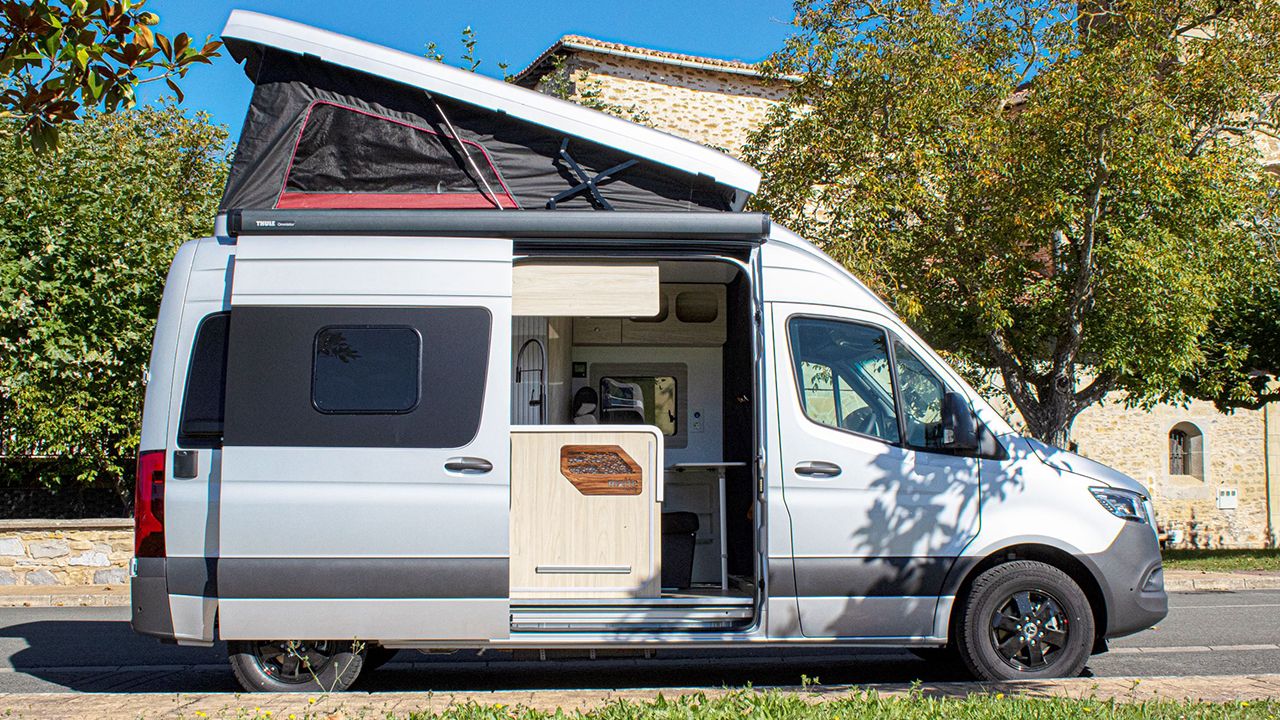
[[630, 614]]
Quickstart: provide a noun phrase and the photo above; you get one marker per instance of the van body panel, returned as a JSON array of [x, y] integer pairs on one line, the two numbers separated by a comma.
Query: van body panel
[[880, 533], [364, 271], [165, 348], [346, 523]]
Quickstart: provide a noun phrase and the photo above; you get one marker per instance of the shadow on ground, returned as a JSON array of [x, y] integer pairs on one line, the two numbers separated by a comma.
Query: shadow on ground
[[107, 656]]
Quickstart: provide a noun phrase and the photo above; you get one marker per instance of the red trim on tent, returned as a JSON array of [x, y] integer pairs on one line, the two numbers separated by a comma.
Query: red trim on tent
[[391, 201], [503, 199]]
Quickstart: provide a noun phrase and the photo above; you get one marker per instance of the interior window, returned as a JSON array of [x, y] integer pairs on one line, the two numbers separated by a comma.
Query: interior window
[[842, 369], [366, 370], [921, 392], [205, 400], [641, 401]]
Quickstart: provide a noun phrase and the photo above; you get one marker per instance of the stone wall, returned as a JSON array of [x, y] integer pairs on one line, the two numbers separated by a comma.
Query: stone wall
[[710, 107], [1136, 442], [65, 552]]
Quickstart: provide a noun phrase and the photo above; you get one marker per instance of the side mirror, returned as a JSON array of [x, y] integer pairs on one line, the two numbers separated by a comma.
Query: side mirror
[[958, 431]]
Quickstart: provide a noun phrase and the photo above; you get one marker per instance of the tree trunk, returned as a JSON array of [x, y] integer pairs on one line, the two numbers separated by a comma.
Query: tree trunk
[[1060, 438]]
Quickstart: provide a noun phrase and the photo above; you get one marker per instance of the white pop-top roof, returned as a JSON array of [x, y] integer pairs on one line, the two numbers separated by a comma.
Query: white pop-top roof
[[496, 95]]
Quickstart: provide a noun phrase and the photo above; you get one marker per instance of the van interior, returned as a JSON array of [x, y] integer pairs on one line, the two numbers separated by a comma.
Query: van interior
[[610, 530]]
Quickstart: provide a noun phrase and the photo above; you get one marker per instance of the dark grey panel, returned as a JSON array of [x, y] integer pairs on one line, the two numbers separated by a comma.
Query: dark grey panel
[[866, 577], [149, 599], [744, 227], [340, 577], [193, 576], [269, 379], [782, 579], [1122, 570]]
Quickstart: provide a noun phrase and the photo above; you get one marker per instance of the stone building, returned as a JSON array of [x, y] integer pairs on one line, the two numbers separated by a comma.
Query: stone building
[[1215, 477]]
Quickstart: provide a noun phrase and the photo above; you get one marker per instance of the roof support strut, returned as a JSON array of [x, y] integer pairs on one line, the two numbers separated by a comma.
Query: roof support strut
[[586, 182]]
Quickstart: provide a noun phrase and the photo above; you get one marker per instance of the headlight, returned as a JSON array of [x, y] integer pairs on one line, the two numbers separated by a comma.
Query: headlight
[[1122, 503]]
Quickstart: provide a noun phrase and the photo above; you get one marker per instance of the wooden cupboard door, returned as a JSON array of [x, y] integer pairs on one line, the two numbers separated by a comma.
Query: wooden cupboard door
[[585, 513]]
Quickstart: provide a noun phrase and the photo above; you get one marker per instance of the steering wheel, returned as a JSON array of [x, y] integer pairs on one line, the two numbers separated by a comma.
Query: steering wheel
[[864, 420]]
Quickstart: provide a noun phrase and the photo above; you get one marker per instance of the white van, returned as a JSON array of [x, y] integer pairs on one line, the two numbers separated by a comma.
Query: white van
[[424, 389]]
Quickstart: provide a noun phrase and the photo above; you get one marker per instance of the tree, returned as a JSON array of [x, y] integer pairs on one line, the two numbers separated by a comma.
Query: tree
[[86, 238], [59, 57], [1066, 196]]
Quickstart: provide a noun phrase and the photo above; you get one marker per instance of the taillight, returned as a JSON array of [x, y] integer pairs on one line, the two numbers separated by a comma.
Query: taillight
[[148, 505]]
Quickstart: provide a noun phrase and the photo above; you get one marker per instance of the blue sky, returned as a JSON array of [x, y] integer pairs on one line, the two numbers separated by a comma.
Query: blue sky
[[509, 31]]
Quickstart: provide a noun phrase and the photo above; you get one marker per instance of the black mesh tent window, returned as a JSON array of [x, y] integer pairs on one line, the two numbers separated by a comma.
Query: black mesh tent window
[[348, 158]]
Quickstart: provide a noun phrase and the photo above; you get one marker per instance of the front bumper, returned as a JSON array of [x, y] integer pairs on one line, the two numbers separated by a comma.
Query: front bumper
[[1132, 580]]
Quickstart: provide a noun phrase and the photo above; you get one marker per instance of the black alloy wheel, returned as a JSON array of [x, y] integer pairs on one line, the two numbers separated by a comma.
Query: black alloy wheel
[[1030, 630], [296, 665], [1024, 619]]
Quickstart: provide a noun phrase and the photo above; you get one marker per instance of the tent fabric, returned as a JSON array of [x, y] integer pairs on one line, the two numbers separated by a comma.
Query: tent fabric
[[318, 135]]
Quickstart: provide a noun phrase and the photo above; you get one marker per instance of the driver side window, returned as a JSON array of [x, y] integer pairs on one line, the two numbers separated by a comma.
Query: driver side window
[[842, 370]]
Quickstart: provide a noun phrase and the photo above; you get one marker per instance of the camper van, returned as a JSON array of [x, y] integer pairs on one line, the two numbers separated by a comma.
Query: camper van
[[465, 366]]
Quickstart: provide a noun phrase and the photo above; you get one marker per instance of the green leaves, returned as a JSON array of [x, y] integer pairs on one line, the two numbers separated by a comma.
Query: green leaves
[[1056, 194], [86, 237], [60, 56]]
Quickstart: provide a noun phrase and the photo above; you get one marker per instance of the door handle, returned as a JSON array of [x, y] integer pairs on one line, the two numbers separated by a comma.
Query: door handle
[[468, 465], [817, 468]]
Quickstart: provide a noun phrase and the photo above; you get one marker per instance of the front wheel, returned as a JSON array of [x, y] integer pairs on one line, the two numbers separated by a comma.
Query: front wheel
[[296, 665], [1025, 619]]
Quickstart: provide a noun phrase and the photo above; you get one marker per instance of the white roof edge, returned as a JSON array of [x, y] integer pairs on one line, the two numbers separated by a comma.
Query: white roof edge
[[496, 95]]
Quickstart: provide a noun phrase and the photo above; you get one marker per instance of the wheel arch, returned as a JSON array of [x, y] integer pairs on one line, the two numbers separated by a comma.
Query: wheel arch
[[967, 569]]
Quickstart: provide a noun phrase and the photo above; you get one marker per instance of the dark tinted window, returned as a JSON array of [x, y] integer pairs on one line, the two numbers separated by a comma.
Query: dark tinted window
[[366, 370], [205, 400], [842, 374]]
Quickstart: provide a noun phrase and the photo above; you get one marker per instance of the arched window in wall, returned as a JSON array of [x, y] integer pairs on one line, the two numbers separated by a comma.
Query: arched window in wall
[[1186, 451]]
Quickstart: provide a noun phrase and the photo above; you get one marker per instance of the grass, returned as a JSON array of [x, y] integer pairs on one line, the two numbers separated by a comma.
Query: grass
[[1222, 560], [743, 705]]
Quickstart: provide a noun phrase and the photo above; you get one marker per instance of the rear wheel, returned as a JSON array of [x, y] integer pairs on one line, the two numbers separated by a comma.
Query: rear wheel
[[296, 665], [1025, 619]]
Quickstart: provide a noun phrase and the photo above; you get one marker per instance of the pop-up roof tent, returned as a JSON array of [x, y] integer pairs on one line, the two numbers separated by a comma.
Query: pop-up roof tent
[[338, 123]]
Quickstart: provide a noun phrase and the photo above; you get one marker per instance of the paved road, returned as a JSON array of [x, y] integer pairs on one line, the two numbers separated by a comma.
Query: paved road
[[93, 650]]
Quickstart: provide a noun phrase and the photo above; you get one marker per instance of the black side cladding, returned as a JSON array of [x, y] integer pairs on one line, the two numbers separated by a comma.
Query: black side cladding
[[270, 391], [527, 156]]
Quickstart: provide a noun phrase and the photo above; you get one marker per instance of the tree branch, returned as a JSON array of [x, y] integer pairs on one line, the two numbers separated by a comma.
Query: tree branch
[[1080, 298], [1093, 392]]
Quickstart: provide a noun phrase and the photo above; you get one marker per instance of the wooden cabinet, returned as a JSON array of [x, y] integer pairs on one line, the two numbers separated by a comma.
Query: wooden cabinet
[[597, 331], [575, 536], [689, 315]]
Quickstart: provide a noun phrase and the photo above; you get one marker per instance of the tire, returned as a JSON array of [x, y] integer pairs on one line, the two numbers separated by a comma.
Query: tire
[[1025, 620], [296, 666], [375, 656]]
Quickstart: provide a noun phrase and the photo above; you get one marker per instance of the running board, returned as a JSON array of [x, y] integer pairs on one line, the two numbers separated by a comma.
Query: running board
[[630, 614]]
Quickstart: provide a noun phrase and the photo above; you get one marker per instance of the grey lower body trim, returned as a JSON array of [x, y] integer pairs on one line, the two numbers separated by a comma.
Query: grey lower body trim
[[473, 621], [867, 617], [1132, 581], [859, 576], [149, 599], [334, 578]]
